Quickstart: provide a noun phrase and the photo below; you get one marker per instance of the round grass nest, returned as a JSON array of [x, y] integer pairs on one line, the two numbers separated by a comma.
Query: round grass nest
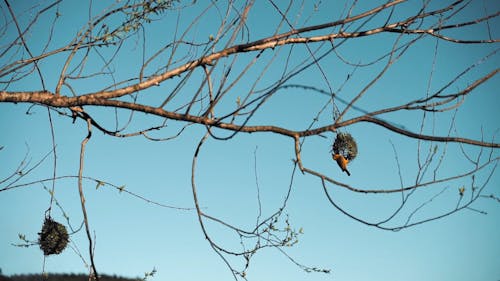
[[346, 146], [53, 238]]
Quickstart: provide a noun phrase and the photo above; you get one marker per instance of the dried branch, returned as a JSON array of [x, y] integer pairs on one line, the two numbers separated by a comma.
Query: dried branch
[[227, 82], [82, 200]]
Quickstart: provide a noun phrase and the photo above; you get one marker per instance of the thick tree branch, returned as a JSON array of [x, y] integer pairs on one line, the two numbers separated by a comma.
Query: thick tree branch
[[48, 99]]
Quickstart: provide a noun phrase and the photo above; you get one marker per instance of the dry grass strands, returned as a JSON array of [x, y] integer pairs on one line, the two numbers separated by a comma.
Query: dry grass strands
[[346, 146], [53, 238]]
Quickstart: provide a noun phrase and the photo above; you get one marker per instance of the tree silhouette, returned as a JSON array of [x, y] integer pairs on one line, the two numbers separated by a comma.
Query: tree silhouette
[[157, 69]]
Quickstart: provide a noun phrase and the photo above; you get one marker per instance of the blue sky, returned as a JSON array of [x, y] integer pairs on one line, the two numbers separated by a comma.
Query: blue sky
[[133, 236]]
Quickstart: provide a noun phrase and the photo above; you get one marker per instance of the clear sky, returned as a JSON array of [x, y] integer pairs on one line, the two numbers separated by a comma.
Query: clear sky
[[133, 236]]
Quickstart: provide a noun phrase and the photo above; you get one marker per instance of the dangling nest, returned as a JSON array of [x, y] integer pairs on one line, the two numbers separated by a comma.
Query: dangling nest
[[346, 146], [53, 238]]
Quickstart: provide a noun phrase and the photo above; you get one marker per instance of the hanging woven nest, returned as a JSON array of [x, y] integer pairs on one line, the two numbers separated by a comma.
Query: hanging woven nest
[[53, 238], [346, 146]]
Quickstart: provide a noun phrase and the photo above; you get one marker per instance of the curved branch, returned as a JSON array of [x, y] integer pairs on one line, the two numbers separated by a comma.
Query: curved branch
[[402, 189], [46, 98], [82, 199], [410, 134]]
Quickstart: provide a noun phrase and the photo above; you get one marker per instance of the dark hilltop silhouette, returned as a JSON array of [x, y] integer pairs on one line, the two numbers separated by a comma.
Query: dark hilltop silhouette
[[63, 277]]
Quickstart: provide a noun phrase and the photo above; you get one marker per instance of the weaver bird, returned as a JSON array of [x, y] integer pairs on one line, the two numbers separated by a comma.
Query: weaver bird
[[342, 162]]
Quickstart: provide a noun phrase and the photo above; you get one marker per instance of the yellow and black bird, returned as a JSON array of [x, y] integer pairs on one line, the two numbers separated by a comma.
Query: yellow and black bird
[[342, 162]]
